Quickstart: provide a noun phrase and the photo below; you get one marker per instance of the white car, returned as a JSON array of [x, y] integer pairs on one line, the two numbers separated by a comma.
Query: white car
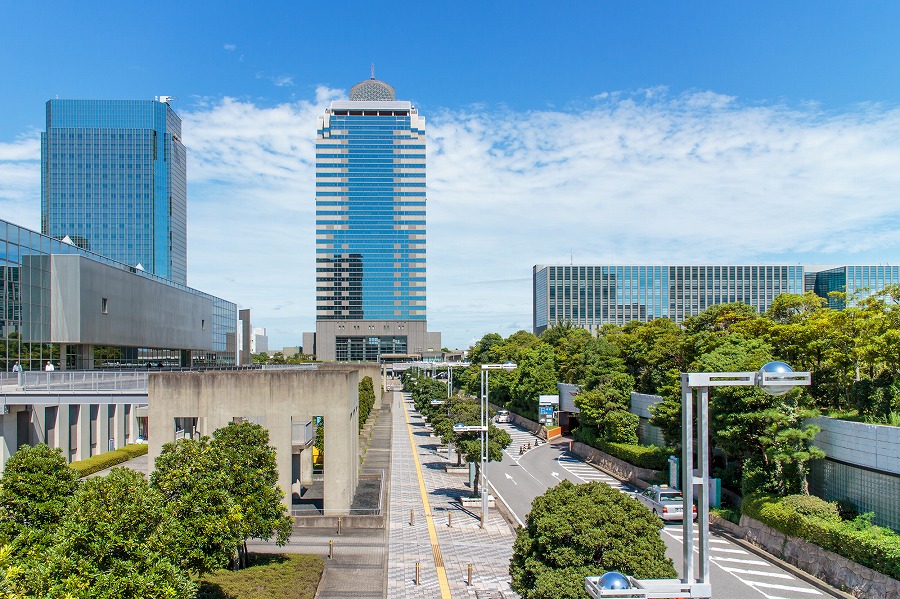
[[502, 416], [664, 502]]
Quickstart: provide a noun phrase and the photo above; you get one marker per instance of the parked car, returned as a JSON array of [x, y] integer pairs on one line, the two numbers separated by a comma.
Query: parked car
[[664, 502], [502, 416]]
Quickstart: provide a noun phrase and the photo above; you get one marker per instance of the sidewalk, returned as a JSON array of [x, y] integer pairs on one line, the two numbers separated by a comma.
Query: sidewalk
[[443, 552]]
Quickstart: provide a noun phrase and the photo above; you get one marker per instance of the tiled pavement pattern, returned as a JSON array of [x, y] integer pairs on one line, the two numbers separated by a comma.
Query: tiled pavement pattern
[[464, 543]]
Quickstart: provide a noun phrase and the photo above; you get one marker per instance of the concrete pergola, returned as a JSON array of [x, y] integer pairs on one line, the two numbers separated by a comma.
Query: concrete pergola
[[284, 402]]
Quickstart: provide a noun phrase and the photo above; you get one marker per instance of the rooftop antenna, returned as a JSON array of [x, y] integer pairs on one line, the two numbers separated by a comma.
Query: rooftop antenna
[[373, 70]]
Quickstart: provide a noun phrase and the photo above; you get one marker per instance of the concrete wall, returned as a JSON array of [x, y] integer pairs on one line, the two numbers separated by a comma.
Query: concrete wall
[[867, 445], [134, 316], [647, 433], [418, 339], [274, 399]]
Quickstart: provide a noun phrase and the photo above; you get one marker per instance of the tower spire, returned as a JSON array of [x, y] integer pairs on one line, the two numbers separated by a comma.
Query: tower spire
[[373, 70]]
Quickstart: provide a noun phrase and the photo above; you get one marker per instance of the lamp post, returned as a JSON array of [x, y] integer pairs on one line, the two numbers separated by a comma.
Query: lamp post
[[485, 368], [775, 378]]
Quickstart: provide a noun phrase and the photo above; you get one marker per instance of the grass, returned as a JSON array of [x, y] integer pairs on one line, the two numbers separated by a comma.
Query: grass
[[891, 419], [277, 575]]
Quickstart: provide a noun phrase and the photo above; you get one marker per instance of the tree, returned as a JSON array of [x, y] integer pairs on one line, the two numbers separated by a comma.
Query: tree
[[35, 488], [574, 531], [366, 399], [113, 542], [192, 477], [253, 482]]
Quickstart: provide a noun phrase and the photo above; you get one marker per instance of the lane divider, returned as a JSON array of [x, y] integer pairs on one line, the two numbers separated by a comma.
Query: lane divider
[[432, 533]]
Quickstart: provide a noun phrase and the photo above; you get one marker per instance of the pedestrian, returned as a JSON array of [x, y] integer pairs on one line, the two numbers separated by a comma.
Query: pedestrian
[[49, 366], [17, 367]]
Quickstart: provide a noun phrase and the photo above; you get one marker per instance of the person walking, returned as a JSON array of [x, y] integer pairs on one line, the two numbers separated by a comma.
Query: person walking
[[49, 366], [17, 367]]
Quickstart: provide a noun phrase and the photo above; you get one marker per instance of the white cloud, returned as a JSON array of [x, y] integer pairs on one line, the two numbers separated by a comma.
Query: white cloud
[[283, 80], [230, 47], [643, 177]]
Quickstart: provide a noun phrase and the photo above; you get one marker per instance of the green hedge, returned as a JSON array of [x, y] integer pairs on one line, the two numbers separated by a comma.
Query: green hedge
[[642, 456], [858, 540], [109, 459]]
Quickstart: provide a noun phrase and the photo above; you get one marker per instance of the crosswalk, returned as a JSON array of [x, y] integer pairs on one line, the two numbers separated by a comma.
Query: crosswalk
[[588, 473], [767, 579], [521, 438]]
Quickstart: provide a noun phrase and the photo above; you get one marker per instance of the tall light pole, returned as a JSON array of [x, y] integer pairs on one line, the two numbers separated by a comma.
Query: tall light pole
[[484, 433], [775, 378]]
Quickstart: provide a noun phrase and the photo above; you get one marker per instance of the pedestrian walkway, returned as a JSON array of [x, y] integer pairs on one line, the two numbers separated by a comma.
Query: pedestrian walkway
[[429, 527]]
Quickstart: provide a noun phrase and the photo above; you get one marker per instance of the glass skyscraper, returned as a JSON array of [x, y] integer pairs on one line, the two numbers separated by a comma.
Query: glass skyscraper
[[857, 282], [114, 181], [370, 227]]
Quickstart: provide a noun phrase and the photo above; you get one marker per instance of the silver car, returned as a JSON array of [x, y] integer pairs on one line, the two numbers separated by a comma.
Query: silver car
[[664, 502]]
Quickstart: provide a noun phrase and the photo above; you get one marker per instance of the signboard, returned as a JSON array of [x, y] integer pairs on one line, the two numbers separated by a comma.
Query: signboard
[[548, 400], [545, 410]]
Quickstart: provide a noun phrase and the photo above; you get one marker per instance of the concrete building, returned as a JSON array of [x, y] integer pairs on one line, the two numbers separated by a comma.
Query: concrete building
[[370, 229], [259, 341], [113, 181], [591, 296], [286, 402]]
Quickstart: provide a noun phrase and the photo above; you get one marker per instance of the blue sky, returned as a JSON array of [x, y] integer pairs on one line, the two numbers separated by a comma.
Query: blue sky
[[589, 131]]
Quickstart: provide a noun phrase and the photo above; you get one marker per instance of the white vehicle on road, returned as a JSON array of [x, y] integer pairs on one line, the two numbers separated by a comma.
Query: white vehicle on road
[[664, 502], [502, 416]]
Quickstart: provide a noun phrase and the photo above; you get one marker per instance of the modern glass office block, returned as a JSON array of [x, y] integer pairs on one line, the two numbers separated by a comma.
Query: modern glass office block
[[26, 335], [858, 282], [114, 181]]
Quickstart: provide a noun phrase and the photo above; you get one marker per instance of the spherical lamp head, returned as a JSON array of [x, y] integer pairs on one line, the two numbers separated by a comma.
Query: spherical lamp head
[[776, 367], [613, 581]]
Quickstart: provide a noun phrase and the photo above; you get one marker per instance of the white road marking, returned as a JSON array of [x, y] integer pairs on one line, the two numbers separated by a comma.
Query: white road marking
[[758, 573], [511, 478], [782, 587]]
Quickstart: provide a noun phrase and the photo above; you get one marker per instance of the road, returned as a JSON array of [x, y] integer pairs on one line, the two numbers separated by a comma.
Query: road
[[735, 573]]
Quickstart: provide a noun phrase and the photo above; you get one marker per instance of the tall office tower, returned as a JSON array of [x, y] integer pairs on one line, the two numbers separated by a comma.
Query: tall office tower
[[114, 181], [370, 228]]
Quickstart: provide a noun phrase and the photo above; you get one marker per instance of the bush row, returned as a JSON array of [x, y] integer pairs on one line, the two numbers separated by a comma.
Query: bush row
[[858, 540], [642, 456], [109, 459]]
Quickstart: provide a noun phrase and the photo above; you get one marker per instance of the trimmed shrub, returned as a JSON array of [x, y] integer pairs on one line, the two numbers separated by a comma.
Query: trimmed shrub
[[810, 505], [642, 456], [858, 540], [109, 459]]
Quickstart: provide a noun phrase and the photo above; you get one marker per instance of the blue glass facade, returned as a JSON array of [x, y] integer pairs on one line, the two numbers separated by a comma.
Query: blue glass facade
[[370, 212], [25, 331], [857, 282], [114, 180], [591, 296]]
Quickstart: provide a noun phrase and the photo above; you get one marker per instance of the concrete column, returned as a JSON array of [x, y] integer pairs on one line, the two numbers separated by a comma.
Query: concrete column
[[63, 425], [83, 440], [280, 439], [10, 430], [341, 462], [306, 465], [118, 432], [62, 356], [133, 425], [103, 428]]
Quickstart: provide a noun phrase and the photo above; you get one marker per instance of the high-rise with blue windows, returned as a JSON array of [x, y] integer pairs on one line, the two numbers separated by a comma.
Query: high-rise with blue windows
[[114, 181], [370, 228]]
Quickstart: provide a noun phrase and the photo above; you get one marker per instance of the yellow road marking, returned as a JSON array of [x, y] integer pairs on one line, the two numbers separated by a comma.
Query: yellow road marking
[[436, 549]]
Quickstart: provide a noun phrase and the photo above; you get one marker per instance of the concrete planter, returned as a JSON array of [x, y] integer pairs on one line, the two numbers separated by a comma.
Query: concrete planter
[[475, 502]]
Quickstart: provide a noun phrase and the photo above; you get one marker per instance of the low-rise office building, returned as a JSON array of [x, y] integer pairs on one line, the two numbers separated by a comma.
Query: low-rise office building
[[591, 296], [78, 310]]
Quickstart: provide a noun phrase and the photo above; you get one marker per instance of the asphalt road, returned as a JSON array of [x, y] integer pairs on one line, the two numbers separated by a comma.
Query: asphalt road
[[735, 573]]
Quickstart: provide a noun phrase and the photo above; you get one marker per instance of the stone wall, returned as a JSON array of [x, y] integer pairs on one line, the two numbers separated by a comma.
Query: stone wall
[[837, 571]]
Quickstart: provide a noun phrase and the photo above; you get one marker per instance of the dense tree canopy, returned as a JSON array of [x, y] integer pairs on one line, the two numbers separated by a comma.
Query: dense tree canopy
[[574, 531]]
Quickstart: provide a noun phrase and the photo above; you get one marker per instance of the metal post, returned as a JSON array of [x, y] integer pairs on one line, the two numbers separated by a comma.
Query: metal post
[[470, 575], [484, 447], [687, 478], [417, 573], [412, 517], [330, 549], [339, 526], [450, 519], [703, 475]]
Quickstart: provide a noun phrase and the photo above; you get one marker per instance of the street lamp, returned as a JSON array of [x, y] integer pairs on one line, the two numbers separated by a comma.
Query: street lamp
[[484, 433], [775, 378]]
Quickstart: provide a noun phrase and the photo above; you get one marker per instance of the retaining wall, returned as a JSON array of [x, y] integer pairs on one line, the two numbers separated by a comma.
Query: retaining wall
[[640, 477]]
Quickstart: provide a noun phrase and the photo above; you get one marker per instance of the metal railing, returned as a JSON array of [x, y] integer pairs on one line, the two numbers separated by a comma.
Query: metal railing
[[375, 510], [85, 380]]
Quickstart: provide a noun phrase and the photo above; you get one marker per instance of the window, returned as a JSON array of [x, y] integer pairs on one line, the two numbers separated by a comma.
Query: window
[[104, 305]]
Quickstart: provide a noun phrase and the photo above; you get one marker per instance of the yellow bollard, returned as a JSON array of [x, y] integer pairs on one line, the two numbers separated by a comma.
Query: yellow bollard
[[470, 574], [417, 573], [412, 517], [450, 519], [330, 549], [339, 526]]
